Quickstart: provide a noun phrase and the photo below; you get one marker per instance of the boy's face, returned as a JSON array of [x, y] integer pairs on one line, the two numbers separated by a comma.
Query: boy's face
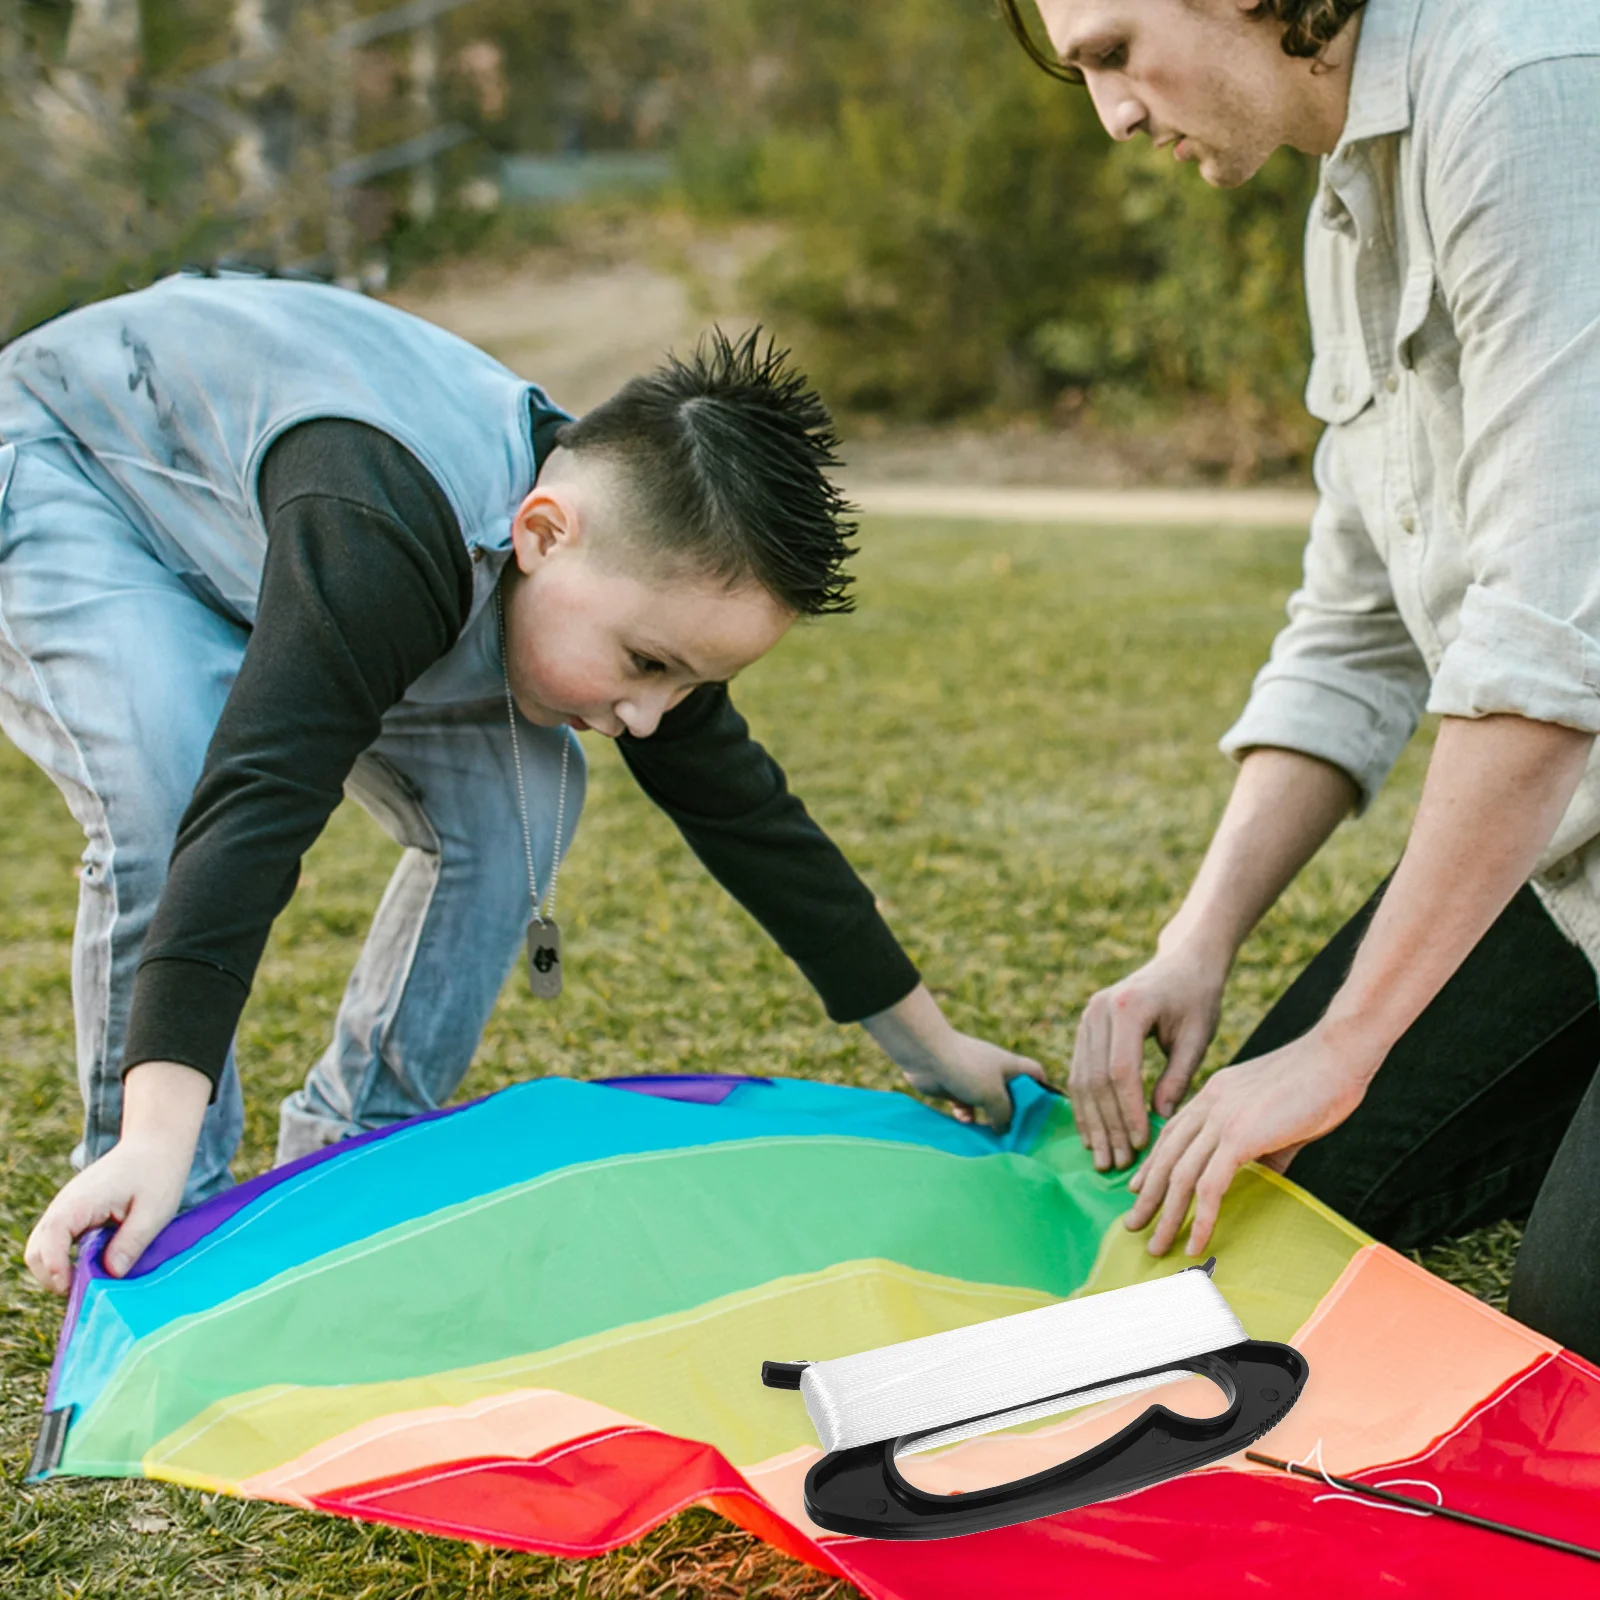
[[1201, 77], [595, 645]]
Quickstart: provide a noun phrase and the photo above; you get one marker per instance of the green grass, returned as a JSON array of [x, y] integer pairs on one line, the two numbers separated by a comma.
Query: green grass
[[1015, 741]]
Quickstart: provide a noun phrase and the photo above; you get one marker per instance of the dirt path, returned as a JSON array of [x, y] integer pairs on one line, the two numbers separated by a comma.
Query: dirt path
[[1199, 507]]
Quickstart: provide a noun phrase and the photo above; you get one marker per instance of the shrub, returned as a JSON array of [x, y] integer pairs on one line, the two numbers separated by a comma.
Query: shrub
[[962, 233]]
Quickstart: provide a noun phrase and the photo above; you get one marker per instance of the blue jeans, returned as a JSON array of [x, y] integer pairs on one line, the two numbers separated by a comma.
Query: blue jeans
[[114, 668]]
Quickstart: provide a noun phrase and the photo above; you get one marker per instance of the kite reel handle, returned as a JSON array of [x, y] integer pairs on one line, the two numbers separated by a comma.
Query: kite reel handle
[[861, 1490]]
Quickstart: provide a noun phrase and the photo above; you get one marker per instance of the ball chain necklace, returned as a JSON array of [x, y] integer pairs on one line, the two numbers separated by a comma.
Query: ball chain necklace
[[544, 936]]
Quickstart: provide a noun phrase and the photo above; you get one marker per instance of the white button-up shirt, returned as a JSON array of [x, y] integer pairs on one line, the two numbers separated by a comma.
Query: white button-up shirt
[[1453, 277]]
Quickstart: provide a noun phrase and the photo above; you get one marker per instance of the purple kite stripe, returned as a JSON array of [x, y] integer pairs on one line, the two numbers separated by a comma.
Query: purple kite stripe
[[693, 1088], [89, 1248]]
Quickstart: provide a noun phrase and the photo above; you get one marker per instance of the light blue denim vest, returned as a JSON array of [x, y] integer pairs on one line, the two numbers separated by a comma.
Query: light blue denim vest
[[174, 395]]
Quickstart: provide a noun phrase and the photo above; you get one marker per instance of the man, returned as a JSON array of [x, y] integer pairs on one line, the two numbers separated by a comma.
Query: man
[[1434, 1068]]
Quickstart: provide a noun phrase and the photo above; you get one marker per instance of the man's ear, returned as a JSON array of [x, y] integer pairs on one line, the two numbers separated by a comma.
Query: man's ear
[[545, 521]]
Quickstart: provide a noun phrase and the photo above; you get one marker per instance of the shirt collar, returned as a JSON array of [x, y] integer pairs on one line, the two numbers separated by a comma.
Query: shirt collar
[[1380, 80]]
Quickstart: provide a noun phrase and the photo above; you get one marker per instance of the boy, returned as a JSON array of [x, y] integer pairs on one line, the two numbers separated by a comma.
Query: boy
[[261, 541]]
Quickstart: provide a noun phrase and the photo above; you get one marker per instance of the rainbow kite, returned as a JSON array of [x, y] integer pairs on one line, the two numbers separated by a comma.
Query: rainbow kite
[[539, 1320]]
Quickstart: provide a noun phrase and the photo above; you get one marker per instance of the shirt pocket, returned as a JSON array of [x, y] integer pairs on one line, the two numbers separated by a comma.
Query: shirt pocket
[[1416, 303], [1426, 347], [1340, 386]]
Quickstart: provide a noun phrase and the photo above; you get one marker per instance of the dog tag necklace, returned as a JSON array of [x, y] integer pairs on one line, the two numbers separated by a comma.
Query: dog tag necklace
[[544, 937]]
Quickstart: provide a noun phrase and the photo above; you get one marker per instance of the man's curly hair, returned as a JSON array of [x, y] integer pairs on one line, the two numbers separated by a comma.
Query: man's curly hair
[[1309, 27]]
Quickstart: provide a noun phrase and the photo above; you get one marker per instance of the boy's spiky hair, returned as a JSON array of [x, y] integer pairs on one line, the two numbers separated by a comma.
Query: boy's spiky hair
[[726, 458]]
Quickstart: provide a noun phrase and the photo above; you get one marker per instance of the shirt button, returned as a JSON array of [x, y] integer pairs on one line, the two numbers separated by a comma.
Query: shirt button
[[1563, 872], [477, 552], [1408, 523], [1392, 382], [1341, 394]]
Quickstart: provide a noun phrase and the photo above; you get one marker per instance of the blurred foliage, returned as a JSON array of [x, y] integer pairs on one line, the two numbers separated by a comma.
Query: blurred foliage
[[959, 234], [965, 236], [63, 215], [118, 163], [139, 134], [595, 74]]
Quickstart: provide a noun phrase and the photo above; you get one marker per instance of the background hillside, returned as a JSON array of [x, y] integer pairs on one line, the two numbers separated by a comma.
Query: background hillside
[[947, 234]]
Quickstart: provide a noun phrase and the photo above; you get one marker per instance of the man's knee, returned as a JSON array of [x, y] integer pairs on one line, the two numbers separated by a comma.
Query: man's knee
[[1331, 1172]]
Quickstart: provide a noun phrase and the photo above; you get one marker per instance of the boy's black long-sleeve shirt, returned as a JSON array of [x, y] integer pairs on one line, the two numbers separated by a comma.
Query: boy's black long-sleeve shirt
[[367, 583]]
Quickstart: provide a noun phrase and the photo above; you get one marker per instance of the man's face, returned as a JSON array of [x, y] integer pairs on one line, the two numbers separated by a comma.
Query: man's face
[[1197, 76], [598, 641]]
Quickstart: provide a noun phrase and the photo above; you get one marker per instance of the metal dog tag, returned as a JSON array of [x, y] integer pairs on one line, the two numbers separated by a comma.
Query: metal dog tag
[[544, 958]]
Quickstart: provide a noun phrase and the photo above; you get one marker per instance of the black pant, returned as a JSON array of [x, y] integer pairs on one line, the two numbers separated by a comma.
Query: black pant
[[1488, 1107]]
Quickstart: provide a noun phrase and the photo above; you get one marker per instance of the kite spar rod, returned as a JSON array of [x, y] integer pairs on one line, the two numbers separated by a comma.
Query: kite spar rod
[[1367, 1491]]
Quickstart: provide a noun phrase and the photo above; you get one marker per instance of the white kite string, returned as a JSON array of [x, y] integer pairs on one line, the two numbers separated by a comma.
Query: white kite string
[[1313, 1458], [975, 1379], [1074, 1400]]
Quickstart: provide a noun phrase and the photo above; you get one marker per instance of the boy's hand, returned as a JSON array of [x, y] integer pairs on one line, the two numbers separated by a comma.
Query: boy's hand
[[138, 1183], [936, 1059]]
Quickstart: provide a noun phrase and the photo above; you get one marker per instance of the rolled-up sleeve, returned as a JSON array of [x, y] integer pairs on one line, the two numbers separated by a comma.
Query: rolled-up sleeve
[[1345, 682], [1515, 214]]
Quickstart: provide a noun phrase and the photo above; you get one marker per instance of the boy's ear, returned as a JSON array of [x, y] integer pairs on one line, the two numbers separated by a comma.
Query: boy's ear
[[546, 520]]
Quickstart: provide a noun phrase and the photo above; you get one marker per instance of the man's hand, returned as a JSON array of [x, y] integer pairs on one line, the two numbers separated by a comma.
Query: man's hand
[[138, 1183], [937, 1060], [1496, 788], [1283, 806], [1265, 1109], [1177, 997]]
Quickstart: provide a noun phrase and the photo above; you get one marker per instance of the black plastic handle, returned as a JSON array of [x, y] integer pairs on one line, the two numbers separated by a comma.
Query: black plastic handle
[[861, 1491]]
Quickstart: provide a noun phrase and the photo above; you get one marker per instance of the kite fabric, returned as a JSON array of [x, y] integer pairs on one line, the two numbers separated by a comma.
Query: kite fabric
[[538, 1321]]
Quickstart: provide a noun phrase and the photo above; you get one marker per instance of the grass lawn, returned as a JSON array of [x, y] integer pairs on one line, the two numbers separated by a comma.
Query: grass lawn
[[1015, 741]]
